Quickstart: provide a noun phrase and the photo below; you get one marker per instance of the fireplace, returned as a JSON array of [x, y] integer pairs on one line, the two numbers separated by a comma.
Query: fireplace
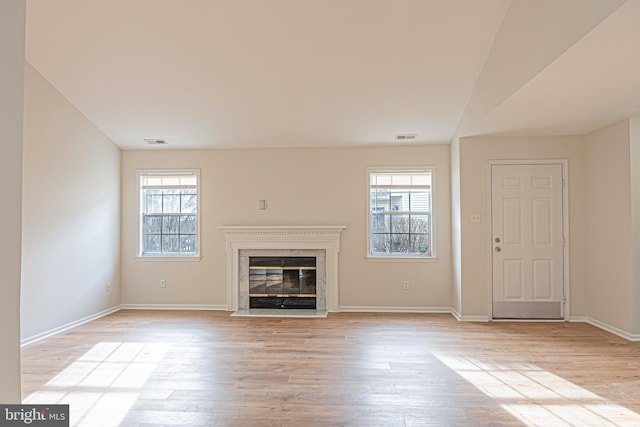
[[282, 282], [319, 242], [267, 289]]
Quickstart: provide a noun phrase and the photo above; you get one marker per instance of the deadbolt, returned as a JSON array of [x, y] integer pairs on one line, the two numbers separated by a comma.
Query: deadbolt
[[497, 240], [498, 249]]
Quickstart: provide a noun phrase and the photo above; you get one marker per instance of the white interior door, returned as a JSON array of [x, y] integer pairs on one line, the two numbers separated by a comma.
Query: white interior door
[[527, 241]]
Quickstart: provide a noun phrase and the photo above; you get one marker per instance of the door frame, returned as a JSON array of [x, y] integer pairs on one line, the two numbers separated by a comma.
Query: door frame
[[566, 309]]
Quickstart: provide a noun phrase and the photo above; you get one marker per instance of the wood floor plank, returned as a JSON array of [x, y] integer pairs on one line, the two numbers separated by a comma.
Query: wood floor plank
[[142, 368]]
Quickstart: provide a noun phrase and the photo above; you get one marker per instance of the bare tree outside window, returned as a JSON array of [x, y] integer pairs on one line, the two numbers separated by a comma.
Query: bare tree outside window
[[169, 213], [400, 205]]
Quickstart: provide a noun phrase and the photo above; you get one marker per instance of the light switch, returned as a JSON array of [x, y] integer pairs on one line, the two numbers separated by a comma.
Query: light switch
[[262, 205], [475, 217]]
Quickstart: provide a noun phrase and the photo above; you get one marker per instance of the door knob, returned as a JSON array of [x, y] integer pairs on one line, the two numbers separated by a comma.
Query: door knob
[[497, 240], [498, 249]]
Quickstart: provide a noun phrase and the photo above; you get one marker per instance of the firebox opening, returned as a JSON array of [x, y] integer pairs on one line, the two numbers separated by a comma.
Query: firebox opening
[[282, 282]]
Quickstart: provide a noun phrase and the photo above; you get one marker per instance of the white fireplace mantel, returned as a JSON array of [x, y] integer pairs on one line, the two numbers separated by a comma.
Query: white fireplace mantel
[[282, 238]]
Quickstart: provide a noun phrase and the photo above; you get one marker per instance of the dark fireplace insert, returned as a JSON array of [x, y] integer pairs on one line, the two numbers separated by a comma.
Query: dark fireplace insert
[[282, 282]]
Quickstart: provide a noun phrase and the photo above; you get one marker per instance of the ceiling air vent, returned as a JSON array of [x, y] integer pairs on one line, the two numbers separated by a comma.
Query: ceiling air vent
[[406, 136], [153, 141]]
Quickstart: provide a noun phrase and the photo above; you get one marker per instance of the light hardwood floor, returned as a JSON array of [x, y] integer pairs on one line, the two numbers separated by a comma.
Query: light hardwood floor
[[142, 368]]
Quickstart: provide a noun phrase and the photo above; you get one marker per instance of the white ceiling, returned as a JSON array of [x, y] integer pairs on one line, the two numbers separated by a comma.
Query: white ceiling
[[285, 73], [594, 83]]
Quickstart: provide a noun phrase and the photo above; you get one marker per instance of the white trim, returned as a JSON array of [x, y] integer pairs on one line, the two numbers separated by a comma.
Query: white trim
[[612, 329], [51, 332], [525, 320], [174, 307], [287, 312], [379, 309], [564, 163], [160, 172], [462, 318], [401, 259], [432, 198], [168, 258], [474, 319], [425, 310]]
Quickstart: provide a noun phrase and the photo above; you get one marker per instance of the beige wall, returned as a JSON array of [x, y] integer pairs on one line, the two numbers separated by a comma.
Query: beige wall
[[475, 154], [12, 22], [634, 134], [610, 249], [71, 213], [303, 187]]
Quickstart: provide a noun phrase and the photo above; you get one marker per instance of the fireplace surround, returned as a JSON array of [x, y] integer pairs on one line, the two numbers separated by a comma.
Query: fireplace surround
[[321, 242]]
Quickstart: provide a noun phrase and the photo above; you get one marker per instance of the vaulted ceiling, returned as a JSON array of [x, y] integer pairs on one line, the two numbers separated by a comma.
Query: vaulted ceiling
[[297, 73]]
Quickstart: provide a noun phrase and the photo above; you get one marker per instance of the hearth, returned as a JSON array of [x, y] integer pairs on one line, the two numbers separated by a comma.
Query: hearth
[[321, 242], [282, 282]]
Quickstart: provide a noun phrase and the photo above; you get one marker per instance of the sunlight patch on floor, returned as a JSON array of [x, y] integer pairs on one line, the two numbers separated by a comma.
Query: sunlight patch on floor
[[555, 401], [110, 372]]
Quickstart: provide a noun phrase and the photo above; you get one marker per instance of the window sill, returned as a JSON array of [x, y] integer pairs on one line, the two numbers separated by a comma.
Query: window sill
[[194, 258], [401, 259]]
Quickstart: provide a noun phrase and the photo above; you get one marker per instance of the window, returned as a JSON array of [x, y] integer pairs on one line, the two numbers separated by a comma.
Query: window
[[400, 214], [169, 223]]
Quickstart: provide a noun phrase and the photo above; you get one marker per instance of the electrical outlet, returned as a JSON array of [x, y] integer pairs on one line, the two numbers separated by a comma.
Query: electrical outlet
[[109, 287], [163, 283], [475, 218], [405, 285]]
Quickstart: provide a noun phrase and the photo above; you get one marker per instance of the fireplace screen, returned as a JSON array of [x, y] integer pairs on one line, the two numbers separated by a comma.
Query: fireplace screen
[[282, 282]]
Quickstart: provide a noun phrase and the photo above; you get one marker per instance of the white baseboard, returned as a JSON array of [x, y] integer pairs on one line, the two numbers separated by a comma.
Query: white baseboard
[[173, 307], [355, 309], [461, 318], [30, 340], [375, 309], [436, 310], [616, 331], [464, 318]]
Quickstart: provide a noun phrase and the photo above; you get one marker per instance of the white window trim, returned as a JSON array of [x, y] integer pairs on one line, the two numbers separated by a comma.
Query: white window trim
[[173, 257], [401, 258]]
